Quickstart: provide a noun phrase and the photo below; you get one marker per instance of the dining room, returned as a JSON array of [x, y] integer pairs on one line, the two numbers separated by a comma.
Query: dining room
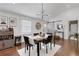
[[39, 29]]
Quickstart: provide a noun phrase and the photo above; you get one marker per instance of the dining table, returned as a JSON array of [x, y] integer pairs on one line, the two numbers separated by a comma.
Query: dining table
[[37, 40]]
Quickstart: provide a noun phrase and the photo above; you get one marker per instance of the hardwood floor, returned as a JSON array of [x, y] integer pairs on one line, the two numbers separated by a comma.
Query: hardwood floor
[[69, 48]]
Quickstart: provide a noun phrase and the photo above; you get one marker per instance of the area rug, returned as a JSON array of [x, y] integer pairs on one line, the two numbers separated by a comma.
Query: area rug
[[51, 52]]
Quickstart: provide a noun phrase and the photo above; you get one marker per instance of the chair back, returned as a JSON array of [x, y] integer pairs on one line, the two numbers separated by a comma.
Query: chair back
[[49, 38], [17, 37], [76, 35], [36, 34], [26, 39]]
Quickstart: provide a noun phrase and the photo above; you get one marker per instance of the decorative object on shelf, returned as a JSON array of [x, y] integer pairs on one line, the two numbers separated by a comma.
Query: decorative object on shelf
[[38, 26], [3, 23], [6, 22], [3, 20], [12, 21]]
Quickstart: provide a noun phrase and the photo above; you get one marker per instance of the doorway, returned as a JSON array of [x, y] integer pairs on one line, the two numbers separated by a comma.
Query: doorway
[[73, 27]]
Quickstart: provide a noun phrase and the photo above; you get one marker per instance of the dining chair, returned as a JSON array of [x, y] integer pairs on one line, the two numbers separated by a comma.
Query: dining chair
[[46, 41], [17, 39], [36, 34], [27, 44]]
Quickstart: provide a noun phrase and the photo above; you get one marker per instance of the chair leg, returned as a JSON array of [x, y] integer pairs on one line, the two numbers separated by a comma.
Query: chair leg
[[29, 50], [32, 47], [46, 49], [54, 42], [50, 46], [25, 48]]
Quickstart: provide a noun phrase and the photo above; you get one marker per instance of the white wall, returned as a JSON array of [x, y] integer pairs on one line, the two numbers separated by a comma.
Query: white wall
[[66, 28], [49, 28], [71, 14]]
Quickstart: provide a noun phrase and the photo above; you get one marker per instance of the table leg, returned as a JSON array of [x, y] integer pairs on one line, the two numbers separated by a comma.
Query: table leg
[[38, 49]]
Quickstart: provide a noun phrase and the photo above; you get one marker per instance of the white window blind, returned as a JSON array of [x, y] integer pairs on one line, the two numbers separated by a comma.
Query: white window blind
[[26, 27]]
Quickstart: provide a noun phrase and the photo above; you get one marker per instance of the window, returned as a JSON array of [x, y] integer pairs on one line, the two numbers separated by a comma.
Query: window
[[26, 27]]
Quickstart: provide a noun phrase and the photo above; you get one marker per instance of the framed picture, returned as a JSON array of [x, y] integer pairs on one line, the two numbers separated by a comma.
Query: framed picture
[[38, 26], [12, 21], [59, 27]]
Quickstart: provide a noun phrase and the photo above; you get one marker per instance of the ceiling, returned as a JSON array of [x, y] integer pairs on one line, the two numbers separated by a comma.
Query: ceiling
[[34, 9]]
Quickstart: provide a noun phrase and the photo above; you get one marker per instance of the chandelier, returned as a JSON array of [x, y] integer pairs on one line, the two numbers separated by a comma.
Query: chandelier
[[43, 12]]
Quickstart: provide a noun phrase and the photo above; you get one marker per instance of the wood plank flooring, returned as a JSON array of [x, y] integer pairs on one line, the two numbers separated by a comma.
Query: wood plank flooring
[[69, 48]]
